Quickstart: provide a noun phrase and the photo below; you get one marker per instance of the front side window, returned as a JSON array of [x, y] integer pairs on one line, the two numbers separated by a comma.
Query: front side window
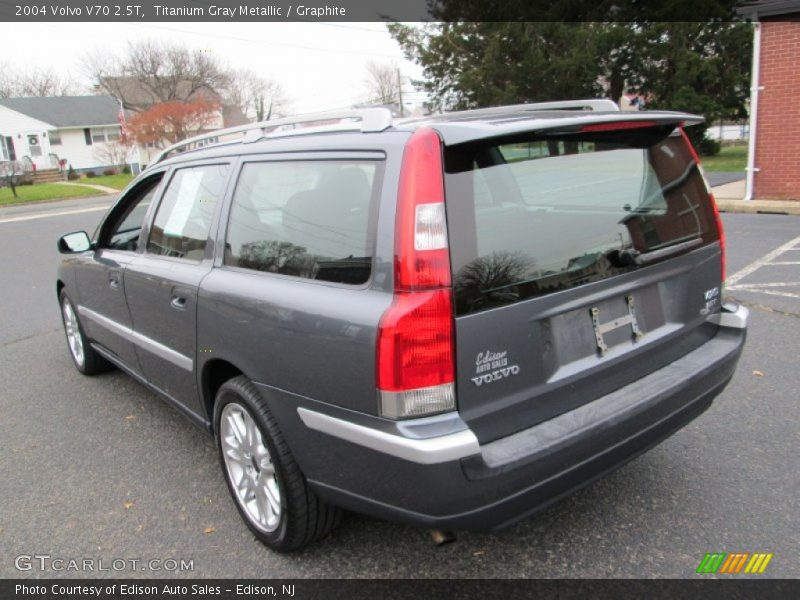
[[181, 225], [126, 225], [309, 219]]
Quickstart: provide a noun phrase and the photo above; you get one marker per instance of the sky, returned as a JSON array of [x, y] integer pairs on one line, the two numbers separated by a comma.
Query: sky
[[320, 65]]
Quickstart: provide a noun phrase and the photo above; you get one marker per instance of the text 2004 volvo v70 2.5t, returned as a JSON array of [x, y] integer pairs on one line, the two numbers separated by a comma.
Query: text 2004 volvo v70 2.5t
[[449, 321]]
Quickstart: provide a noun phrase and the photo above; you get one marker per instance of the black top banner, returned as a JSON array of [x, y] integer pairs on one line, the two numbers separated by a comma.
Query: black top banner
[[373, 10]]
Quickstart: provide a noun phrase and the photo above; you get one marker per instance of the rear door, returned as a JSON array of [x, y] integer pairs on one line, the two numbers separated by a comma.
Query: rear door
[[161, 284], [581, 262]]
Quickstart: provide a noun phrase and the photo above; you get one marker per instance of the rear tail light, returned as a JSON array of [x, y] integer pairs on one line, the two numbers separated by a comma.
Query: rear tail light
[[717, 218], [415, 349]]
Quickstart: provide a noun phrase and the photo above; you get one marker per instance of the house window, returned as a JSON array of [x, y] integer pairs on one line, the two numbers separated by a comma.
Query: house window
[[3, 149], [12, 153], [87, 136], [112, 135], [55, 137], [98, 136]]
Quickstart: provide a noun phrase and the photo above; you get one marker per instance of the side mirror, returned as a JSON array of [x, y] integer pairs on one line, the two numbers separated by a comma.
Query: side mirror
[[73, 243]]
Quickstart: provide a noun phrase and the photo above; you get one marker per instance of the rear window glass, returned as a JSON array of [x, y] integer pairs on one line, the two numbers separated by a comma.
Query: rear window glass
[[535, 216], [310, 219]]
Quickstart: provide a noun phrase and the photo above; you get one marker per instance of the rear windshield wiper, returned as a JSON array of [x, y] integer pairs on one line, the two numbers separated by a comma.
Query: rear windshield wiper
[[629, 256]]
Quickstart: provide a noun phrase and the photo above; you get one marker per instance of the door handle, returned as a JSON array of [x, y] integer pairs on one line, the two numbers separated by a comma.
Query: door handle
[[178, 302]]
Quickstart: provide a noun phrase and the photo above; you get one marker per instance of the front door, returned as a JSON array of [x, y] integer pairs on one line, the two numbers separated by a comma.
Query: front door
[[35, 150], [161, 284], [103, 308]]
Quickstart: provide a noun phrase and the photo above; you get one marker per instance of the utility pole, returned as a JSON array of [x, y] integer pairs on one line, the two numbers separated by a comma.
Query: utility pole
[[400, 92]]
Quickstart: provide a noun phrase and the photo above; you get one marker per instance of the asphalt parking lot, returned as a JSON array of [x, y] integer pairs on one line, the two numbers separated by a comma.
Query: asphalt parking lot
[[101, 468]]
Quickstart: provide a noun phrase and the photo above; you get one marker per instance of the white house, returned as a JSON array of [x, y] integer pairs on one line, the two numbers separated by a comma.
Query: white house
[[80, 129]]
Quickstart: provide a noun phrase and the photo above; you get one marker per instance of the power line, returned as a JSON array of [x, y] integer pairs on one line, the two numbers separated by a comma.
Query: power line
[[267, 43], [350, 27]]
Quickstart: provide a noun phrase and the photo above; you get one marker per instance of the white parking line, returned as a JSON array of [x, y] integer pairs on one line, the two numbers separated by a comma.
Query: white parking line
[[732, 283], [53, 214], [753, 266]]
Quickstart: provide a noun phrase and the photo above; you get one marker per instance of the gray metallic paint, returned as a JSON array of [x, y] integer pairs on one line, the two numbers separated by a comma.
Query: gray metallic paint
[[310, 348]]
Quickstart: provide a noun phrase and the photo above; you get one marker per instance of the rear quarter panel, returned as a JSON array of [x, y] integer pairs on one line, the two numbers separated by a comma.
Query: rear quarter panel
[[312, 339]]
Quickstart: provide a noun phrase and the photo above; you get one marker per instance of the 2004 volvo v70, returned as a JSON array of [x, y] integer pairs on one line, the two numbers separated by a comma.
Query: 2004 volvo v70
[[450, 321]]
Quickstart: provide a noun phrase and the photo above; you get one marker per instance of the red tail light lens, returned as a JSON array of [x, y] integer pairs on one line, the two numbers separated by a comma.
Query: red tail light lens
[[416, 341], [422, 259], [415, 347], [717, 218]]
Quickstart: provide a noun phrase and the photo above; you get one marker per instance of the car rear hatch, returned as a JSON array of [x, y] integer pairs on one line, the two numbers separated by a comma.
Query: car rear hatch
[[586, 253]]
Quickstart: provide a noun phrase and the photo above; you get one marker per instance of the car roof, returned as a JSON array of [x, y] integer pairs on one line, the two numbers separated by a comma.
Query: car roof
[[454, 127]]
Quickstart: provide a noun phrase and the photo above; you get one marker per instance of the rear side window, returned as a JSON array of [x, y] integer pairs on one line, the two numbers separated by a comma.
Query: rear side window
[[536, 216], [183, 220], [310, 219]]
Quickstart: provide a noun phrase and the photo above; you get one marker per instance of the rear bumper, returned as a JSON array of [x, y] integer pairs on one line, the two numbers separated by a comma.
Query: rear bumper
[[435, 473]]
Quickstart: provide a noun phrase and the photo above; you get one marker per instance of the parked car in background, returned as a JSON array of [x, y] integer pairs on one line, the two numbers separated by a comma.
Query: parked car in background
[[450, 321]]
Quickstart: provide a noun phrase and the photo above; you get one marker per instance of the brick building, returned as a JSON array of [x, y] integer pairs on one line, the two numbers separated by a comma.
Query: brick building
[[774, 156]]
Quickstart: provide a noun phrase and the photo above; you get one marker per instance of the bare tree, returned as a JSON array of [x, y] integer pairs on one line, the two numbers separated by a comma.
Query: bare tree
[[12, 173], [149, 72], [36, 82], [7, 81], [44, 82], [112, 153], [257, 97], [382, 82]]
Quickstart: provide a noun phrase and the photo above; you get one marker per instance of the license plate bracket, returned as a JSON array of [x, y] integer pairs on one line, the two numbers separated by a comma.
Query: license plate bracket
[[626, 320]]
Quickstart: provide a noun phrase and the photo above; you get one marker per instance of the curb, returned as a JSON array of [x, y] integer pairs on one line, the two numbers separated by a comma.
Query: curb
[[775, 207], [12, 205]]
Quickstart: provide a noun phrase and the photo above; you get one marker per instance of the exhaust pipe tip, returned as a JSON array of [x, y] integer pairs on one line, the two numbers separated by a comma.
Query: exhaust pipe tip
[[440, 538]]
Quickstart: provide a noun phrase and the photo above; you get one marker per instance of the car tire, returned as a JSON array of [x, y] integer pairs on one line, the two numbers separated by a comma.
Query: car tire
[[85, 358], [266, 483]]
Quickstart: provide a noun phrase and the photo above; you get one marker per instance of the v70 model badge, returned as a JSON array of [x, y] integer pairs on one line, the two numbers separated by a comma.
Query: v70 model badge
[[601, 328]]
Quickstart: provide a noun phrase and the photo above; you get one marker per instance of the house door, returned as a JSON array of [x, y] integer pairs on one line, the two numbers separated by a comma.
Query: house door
[[35, 150]]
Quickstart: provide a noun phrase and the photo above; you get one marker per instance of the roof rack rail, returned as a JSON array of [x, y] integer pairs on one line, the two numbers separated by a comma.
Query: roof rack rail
[[361, 119], [592, 104]]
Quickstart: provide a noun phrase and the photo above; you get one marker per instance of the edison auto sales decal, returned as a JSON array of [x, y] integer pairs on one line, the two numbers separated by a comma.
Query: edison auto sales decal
[[492, 366]]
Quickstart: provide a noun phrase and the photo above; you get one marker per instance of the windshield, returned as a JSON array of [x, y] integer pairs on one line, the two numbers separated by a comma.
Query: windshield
[[535, 216]]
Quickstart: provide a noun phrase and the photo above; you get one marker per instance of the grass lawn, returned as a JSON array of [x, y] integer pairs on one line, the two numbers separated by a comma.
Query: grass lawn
[[113, 181], [44, 191], [730, 158]]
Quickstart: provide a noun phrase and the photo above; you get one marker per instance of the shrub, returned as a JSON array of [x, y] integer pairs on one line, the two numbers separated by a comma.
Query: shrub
[[71, 174], [704, 145], [126, 169], [708, 147], [90, 174], [110, 171]]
